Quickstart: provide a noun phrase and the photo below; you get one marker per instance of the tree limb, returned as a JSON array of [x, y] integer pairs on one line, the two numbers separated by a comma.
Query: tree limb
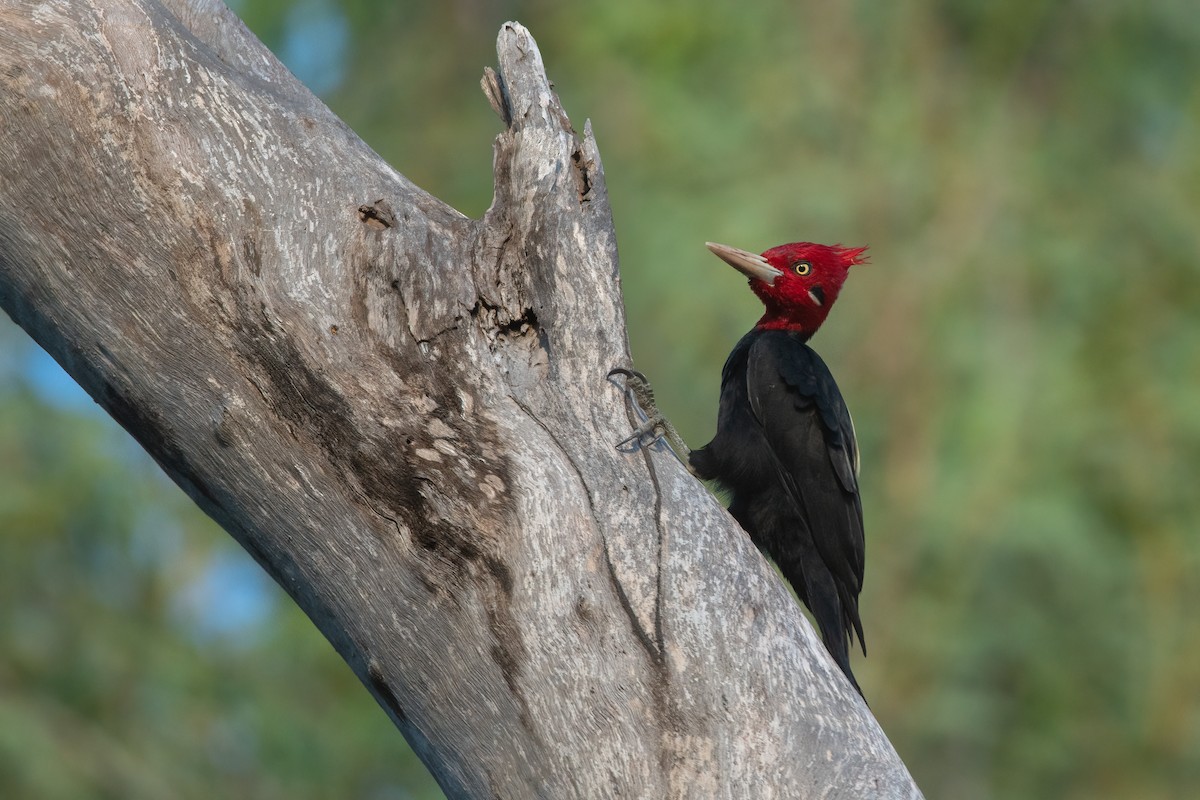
[[402, 413]]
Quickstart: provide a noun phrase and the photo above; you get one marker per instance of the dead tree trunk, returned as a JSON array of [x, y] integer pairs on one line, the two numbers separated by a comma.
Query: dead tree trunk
[[402, 413]]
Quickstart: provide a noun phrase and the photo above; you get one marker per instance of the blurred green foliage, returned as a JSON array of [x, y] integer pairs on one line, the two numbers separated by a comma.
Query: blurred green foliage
[[1022, 359]]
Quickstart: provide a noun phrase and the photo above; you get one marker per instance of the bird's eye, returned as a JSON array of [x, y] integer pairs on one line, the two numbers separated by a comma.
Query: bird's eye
[[802, 268]]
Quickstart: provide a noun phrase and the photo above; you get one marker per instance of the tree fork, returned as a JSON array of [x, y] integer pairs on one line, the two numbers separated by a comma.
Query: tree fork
[[402, 413]]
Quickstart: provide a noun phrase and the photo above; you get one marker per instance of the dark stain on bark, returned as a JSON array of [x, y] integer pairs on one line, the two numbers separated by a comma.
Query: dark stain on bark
[[459, 530], [508, 647], [379, 686], [251, 255], [153, 431]]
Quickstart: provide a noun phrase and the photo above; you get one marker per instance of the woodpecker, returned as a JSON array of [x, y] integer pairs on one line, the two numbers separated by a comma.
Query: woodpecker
[[785, 449]]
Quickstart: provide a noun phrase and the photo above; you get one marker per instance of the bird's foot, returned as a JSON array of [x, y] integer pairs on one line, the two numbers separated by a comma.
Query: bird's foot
[[654, 426], [640, 396]]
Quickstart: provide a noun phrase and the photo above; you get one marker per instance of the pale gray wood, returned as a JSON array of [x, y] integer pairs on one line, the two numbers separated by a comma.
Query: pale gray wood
[[402, 413]]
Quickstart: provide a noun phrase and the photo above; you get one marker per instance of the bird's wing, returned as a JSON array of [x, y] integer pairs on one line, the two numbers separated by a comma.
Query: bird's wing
[[808, 428], [805, 374]]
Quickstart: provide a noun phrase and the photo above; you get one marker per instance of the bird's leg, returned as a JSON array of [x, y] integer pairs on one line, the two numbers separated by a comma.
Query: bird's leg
[[654, 426]]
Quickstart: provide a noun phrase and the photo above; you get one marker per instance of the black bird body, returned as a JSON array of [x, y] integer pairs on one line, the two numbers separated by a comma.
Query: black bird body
[[786, 452]]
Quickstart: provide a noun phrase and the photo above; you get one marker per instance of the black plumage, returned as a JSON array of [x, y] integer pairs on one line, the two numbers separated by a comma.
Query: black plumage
[[785, 446], [785, 450]]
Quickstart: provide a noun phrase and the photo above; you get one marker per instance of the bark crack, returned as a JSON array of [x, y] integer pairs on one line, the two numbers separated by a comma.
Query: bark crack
[[582, 178], [375, 510], [493, 87], [662, 538], [566, 454], [378, 215], [653, 649]]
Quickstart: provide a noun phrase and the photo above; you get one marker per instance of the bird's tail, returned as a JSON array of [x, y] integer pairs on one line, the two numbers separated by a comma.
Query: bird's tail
[[835, 619]]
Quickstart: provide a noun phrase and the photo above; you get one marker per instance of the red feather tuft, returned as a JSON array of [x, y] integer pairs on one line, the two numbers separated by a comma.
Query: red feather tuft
[[851, 256]]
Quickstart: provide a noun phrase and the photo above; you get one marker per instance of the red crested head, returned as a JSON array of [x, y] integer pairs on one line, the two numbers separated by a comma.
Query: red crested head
[[797, 283]]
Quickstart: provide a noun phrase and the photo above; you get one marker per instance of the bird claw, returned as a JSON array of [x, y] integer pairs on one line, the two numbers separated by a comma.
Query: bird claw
[[654, 426], [644, 436], [640, 397]]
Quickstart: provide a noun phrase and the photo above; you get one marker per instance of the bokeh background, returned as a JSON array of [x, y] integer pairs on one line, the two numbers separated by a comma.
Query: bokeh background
[[1022, 359]]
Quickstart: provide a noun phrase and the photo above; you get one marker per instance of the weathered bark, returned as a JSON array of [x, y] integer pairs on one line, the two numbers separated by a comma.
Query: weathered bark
[[402, 413]]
